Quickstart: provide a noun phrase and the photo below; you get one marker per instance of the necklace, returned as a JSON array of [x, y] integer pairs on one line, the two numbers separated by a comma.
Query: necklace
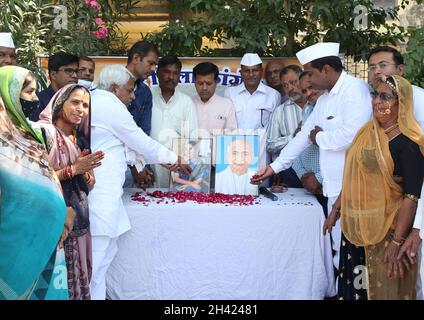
[[396, 134], [387, 130]]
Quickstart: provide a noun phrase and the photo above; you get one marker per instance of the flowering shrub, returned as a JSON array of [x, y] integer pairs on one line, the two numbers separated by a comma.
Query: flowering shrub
[[82, 27], [102, 31], [93, 4], [273, 28]]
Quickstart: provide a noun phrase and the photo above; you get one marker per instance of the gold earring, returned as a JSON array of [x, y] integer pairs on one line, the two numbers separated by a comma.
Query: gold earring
[[388, 109]]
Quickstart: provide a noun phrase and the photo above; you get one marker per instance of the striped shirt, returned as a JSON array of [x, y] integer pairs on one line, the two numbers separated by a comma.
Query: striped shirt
[[284, 121]]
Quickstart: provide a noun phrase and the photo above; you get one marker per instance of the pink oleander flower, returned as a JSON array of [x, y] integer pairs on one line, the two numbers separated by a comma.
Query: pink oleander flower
[[93, 4], [102, 33], [99, 21]]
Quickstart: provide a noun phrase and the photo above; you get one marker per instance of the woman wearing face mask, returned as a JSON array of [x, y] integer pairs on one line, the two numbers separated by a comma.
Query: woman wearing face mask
[[376, 212], [29, 100], [66, 125], [32, 209]]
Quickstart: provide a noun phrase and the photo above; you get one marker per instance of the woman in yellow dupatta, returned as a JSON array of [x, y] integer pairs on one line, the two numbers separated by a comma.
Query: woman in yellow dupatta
[[376, 212]]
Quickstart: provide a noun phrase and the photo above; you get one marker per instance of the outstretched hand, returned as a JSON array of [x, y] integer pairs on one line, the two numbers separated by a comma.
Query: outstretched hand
[[261, 175], [178, 167]]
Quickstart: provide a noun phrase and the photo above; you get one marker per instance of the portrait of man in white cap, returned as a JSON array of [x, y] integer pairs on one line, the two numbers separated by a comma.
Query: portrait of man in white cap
[[7, 50], [338, 115], [254, 101], [237, 162]]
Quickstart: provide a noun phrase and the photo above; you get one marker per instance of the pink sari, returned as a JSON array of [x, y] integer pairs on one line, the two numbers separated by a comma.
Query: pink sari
[[63, 152]]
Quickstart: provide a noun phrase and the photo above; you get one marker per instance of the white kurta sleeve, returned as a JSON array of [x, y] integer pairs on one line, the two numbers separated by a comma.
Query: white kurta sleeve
[[276, 99], [231, 123], [295, 147], [227, 93], [419, 105], [419, 215], [358, 100], [125, 128]]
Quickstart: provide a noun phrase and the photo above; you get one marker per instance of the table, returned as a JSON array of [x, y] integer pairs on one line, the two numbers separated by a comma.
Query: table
[[269, 250]]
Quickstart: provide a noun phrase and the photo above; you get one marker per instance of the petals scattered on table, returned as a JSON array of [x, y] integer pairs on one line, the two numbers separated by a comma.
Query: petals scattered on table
[[198, 197]]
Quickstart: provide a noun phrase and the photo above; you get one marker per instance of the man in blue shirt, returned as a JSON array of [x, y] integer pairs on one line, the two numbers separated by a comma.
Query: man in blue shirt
[[63, 70], [142, 61]]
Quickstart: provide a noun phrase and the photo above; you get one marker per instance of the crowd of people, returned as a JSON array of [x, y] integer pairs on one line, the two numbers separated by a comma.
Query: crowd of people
[[71, 148]]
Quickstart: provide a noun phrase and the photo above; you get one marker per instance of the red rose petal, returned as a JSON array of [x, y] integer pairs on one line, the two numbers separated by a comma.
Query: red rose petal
[[200, 198]]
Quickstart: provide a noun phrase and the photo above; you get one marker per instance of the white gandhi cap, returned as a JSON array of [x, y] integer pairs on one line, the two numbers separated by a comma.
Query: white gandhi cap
[[250, 59], [318, 50], [6, 40]]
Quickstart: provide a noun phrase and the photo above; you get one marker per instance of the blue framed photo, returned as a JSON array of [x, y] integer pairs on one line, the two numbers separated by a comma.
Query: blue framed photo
[[237, 160]]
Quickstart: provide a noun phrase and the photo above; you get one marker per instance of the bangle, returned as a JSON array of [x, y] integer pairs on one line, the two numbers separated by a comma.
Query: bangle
[[397, 237], [397, 243], [411, 197], [64, 174], [60, 175], [67, 173]]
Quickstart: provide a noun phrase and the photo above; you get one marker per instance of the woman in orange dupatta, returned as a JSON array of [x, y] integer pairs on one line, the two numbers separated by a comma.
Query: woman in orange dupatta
[[376, 212]]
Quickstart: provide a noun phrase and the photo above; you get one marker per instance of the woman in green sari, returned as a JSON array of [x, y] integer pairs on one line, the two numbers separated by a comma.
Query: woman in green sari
[[32, 210]]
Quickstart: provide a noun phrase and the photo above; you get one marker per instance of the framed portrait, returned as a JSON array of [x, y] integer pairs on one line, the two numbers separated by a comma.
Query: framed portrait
[[237, 160], [197, 154]]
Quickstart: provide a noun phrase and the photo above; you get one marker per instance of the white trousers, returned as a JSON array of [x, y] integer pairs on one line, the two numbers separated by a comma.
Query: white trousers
[[420, 278], [336, 234], [104, 250]]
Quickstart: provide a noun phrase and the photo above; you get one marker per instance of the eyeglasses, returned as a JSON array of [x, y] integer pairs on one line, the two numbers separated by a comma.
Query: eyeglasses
[[70, 71], [381, 65], [383, 96]]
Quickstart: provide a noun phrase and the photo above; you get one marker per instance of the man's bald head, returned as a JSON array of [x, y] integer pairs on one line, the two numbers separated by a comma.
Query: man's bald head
[[272, 75]]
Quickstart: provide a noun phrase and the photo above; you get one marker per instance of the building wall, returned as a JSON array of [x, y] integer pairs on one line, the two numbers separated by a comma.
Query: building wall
[[148, 16]]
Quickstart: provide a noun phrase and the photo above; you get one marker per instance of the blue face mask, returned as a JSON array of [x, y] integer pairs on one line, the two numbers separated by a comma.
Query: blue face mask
[[87, 84], [30, 109]]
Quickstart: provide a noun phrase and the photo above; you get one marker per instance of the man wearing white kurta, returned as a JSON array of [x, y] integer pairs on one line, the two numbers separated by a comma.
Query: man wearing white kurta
[[338, 115], [173, 115], [388, 61], [254, 102], [114, 131], [235, 179]]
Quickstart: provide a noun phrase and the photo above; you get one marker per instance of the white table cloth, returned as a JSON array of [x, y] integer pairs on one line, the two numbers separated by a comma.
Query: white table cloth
[[270, 250]]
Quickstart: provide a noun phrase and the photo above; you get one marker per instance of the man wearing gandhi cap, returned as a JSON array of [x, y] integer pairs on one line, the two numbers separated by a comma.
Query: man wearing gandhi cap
[[252, 95], [7, 50], [338, 115], [254, 102]]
